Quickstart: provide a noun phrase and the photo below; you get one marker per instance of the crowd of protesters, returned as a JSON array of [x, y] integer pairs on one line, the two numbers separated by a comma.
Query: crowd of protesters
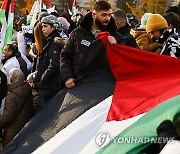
[[35, 67]]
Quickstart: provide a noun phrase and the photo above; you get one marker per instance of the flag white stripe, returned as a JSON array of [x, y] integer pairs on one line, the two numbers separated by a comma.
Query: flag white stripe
[[33, 13], [79, 136]]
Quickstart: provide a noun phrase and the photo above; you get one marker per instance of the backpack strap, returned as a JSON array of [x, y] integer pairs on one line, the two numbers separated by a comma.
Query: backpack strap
[[23, 66]]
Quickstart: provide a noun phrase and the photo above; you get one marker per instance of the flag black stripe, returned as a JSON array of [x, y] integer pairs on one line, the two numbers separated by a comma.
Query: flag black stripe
[[7, 10]]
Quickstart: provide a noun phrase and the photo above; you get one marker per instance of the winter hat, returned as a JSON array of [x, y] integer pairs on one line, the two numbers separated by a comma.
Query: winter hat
[[16, 75], [63, 23], [43, 14], [50, 19], [144, 20], [155, 22]]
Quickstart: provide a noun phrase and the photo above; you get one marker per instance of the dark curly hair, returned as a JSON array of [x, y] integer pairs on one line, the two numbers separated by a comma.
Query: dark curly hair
[[101, 5]]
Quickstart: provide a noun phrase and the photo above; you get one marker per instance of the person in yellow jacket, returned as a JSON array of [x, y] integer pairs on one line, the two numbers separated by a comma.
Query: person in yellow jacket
[[167, 37], [143, 39]]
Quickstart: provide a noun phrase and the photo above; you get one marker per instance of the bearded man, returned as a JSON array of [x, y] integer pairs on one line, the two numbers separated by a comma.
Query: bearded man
[[82, 56]]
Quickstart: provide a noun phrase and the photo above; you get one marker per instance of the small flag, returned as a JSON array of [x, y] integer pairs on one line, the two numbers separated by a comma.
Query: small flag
[[31, 18], [74, 7]]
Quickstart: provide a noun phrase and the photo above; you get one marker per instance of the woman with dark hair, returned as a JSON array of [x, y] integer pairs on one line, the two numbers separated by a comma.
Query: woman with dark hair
[[173, 21]]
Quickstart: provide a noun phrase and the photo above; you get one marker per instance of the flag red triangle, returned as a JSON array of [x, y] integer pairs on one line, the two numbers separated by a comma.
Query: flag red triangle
[[143, 80]]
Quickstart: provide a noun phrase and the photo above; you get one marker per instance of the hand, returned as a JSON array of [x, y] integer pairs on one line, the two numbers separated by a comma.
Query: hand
[[112, 40], [70, 83]]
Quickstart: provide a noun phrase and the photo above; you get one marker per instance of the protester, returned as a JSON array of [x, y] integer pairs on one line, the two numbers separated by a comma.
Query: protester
[[167, 38], [71, 22], [48, 76], [143, 39], [80, 44], [166, 132], [64, 24], [3, 86], [40, 39], [132, 20], [124, 28], [16, 28], [76, 18], [37, 100], [29, 64], [173, 21], [18, 106], [94, 81], [12, 59]]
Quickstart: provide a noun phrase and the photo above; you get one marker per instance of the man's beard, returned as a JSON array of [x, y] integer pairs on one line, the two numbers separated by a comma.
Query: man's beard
[[100, 25]]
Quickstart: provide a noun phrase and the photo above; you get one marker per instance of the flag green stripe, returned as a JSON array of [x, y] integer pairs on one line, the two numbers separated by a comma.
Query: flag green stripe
[[145, 127], [2, 18], [8, 31], [9, 34], [2, 15]]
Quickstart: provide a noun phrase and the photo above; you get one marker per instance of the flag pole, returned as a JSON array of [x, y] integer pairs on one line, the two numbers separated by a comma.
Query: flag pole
[[40, 4]]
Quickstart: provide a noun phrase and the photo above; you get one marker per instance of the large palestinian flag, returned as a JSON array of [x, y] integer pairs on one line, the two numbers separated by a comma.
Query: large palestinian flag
[[6, 19], [90, 120]]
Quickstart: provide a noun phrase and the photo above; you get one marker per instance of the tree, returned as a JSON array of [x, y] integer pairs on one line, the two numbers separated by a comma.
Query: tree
[[139, 7], [24, 5]]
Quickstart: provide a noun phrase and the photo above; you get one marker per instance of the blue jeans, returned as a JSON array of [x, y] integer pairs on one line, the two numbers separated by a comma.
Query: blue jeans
[[45, 100]]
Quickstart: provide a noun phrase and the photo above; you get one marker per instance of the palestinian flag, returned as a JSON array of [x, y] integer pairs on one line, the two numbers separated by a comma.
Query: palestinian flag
[[6, 18], [48, 2], [91, 132], [99, 116], [74, 9]]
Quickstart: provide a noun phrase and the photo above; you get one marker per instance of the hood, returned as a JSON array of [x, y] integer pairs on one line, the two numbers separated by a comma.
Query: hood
[[20, 89], [137, 32], [124, 30], [87, 21], [18, 86]]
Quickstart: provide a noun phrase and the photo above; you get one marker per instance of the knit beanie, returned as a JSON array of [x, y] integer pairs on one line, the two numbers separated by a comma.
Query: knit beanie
[[155, 22], [50, 19], [63, 23], [144, 20]]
